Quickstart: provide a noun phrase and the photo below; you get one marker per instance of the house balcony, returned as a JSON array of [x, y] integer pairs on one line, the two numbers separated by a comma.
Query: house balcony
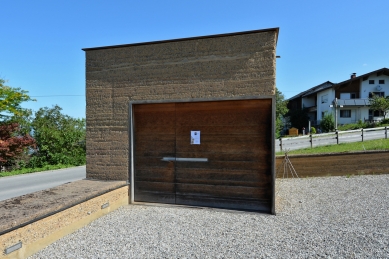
[[312, 109], [354, 102]]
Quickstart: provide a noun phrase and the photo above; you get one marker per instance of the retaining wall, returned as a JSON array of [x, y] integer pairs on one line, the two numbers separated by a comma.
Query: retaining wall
[[31, 222], [356, 163]]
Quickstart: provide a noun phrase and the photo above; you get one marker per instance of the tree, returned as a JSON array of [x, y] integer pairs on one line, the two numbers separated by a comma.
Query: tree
[[281, 110], [13, 143], [60, 138], [379, 103], [327, 123], [10, 101]]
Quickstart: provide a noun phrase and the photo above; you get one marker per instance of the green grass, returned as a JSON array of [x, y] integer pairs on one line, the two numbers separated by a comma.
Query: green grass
[[379, 144], [34, 170]]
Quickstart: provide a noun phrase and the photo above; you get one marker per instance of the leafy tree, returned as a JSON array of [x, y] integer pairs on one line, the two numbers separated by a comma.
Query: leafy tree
[[10, 101], [327, 123], [379, 103], [60, 138], [13, 143], [281, 110]]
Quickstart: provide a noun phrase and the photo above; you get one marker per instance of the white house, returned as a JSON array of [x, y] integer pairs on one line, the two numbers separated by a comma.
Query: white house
[[349, 99]]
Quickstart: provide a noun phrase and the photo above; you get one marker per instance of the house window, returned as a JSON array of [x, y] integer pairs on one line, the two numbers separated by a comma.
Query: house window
[[381, 81], [371, 82], [345, 113], [375, 114], [379, 94], [324, 98], [345, 96]]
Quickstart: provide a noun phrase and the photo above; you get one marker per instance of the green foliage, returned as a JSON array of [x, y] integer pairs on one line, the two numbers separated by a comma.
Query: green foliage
[[281, 110], [60, 138], [327, 123], [354, 126], [281, 104], [384, 122], [299, 118], [379, 103], [279, 127], [313, 130], [364, 125], [10, 101], [378, 144], [33, 170], [351, 126]]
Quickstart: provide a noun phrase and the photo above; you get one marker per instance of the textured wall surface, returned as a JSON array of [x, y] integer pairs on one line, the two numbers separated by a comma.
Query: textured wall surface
[[41, 233], [209, 67], [337, 164]]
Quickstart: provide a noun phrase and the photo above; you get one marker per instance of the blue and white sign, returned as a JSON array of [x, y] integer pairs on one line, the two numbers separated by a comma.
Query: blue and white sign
[[195, 137]]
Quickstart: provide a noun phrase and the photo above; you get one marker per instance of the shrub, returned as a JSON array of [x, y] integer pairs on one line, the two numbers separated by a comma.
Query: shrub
[[385, 121], [313, 130], [351, 126], [60, 138], [327, 123]]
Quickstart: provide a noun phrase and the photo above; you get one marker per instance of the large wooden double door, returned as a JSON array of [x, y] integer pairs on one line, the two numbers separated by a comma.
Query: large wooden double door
[[228, 165]]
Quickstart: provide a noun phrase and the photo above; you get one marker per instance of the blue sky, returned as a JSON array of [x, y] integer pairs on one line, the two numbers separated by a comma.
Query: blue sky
[[41, 41]]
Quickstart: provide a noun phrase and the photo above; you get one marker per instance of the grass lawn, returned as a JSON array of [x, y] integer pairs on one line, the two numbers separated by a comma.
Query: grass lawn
[[378, 144], [34, 170]]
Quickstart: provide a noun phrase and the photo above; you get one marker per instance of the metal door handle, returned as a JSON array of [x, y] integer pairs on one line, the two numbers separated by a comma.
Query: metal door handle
[[168, 159], [184, 159]]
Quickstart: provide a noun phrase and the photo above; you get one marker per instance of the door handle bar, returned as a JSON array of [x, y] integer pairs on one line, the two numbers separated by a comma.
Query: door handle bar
[[184, 159]]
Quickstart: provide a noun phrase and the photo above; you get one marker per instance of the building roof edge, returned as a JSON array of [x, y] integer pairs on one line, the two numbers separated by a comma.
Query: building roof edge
[[276, 29]]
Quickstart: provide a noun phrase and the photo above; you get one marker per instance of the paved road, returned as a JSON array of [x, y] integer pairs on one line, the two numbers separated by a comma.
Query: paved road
[[14, 186]]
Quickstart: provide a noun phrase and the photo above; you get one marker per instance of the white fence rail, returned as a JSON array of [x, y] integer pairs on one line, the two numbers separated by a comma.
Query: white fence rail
[[324, 139]]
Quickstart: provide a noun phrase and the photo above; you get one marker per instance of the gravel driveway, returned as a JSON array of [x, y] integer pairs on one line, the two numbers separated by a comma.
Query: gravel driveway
[[330, 217]]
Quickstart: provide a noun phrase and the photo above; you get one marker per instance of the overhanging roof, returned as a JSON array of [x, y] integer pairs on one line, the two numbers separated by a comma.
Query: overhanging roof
[[328, 84], [313, 90], [382, 71]]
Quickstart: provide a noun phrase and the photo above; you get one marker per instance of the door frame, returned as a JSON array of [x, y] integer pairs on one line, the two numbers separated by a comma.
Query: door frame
[[131, 171]]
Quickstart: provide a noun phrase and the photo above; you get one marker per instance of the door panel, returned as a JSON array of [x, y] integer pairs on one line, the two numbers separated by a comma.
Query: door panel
[[235, 137], [154, 130]]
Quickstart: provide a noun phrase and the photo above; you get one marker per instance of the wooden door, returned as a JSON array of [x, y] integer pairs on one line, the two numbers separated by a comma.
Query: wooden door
[[155, 138], [235, 140]]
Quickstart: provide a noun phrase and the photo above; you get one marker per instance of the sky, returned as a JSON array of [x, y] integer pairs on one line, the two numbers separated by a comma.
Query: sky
[[41, 41]]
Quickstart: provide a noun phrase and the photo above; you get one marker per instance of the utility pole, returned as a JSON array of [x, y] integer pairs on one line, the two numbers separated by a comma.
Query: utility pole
[[336, 112]]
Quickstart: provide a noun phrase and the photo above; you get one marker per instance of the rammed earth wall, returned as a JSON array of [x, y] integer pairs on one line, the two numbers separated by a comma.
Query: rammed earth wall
[[219, 66]]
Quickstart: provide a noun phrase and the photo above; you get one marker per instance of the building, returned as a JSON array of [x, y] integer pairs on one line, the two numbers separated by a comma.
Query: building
[[349, 99], [186, 121]]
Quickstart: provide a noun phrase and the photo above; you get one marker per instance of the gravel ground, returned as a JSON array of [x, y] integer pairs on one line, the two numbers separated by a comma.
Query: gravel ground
[[330, 217]]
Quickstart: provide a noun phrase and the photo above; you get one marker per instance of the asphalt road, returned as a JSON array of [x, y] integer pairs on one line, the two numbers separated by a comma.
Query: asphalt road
[[14, 186]]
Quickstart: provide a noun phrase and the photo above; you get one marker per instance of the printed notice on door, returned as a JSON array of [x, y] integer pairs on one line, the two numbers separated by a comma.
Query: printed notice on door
[[195, 137]]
